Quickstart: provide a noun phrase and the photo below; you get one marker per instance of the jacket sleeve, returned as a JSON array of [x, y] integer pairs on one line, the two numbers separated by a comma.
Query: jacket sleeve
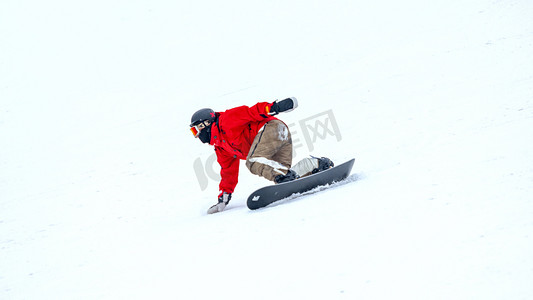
[[229, 170], [243, 114]]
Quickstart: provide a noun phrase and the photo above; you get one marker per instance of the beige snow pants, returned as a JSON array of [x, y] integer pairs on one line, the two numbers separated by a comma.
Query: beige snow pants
[[271, 152]]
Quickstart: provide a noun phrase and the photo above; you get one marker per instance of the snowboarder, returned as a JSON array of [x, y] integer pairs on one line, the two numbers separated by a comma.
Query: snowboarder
[[255, 135]]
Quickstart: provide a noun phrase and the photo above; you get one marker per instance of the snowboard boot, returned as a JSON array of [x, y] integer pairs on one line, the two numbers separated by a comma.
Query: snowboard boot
[[290, 176], [312, 165], [324, 163]]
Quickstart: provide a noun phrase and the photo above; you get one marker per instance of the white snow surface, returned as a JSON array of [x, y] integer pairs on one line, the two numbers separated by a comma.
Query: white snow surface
[[100, 195]]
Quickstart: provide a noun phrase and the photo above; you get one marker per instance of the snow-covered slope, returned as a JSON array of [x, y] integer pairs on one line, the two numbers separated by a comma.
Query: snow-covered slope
[[104, 192]]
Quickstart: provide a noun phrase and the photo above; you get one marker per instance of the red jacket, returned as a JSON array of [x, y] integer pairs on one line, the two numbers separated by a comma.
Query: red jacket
[[232, 135]]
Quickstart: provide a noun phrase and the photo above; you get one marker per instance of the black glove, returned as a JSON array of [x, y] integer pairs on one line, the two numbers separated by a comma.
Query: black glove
[[224, 197], [285, 105], [223, 200]]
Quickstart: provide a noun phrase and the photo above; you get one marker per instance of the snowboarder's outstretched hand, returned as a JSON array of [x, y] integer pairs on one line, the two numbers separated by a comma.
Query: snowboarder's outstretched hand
[[285, 105], [223, 200]]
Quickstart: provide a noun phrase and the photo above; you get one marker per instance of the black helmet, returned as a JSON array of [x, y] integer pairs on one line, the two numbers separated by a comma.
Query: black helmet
[[204, 114]]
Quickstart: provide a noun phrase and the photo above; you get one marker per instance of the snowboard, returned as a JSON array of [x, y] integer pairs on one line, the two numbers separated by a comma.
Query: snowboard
[[272, 193]]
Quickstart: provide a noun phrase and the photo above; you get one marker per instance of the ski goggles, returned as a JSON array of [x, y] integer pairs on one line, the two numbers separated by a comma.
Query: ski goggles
[[196, 129]]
